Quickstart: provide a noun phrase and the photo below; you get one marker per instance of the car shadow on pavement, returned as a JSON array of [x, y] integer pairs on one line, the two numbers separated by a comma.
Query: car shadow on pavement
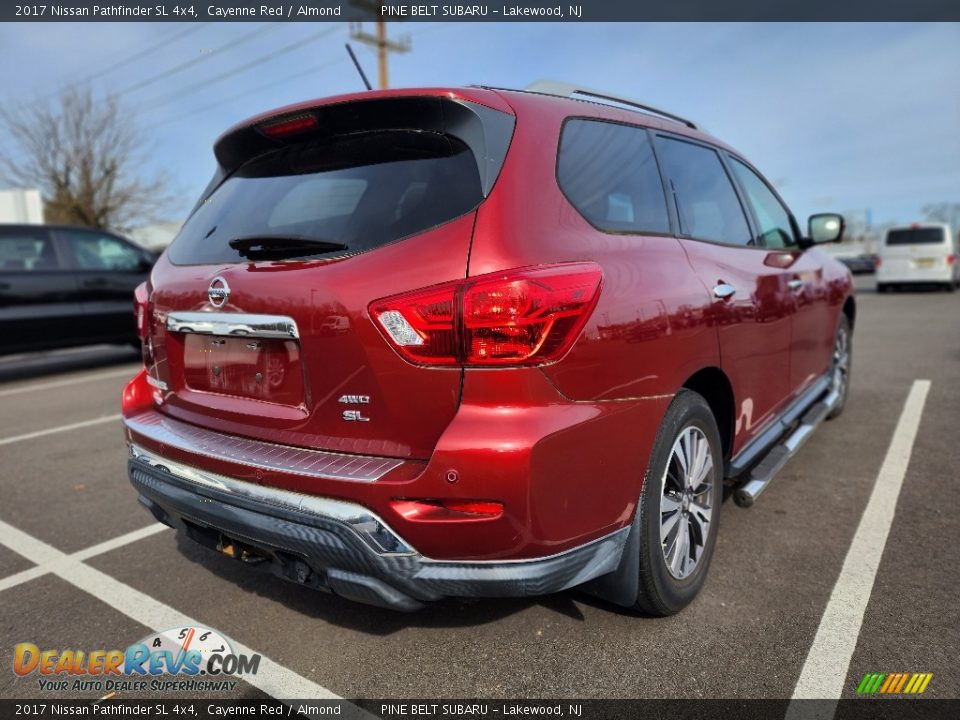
[[371, 619], [42, 364]]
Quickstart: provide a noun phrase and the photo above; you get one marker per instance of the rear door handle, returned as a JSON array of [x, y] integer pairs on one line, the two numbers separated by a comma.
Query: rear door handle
[[723, 291], [795, 285]]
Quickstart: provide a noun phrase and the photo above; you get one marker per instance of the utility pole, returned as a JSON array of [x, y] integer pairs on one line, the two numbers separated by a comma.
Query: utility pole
[[379, 41]]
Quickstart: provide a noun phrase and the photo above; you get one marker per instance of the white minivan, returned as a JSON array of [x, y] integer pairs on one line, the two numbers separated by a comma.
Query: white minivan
[[927, 253]]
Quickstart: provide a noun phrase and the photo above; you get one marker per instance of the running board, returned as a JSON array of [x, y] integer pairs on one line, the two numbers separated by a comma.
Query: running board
[[764, 471]]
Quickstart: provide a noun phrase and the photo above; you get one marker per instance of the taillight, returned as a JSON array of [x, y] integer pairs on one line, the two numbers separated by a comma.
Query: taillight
[[951, 259], [876, 262], [289, 126], [527, 316], [440, 510], [137, 395], [140, 310]]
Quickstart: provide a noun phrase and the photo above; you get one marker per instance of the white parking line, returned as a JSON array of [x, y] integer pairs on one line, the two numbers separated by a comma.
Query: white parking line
[[60, 429], [129, 372], [98, 549], [825, 669], [271, 677]]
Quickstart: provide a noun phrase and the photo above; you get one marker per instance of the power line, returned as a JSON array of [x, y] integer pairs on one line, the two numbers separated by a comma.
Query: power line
[[218, 104], [263, 29], [249, 91], [190, 89], [167, 40]]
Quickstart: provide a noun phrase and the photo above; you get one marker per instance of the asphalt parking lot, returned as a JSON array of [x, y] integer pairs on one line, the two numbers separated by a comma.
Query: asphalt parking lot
[[63, 491]]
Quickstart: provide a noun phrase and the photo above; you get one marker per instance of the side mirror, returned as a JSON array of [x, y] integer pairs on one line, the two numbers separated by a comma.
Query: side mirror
[[825, 228]]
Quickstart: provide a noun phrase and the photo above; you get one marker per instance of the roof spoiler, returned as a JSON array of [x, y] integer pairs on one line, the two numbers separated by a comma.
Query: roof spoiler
[[578, 92], [487, 132]]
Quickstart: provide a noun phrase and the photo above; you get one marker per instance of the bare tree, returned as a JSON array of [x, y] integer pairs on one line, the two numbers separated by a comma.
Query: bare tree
[[86, 157], [945, 212]]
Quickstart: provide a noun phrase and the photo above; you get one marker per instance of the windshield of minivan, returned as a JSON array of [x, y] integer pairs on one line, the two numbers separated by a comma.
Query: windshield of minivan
[[915, 236], [338, 196]]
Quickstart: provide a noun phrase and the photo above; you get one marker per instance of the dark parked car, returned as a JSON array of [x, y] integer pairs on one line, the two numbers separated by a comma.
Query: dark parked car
[[475, 342], [62, 286]]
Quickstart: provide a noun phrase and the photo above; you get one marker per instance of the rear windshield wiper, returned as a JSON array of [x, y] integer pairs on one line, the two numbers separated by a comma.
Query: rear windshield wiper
[[275, 247]]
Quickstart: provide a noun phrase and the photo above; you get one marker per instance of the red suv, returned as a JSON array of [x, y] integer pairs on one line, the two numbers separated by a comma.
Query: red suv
[[458, 342]]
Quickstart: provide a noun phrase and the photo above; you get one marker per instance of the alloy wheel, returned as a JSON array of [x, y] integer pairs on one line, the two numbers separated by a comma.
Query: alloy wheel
[[686, 502]]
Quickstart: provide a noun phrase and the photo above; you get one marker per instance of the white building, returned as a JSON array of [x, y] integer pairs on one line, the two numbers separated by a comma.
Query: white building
[[21, 205]]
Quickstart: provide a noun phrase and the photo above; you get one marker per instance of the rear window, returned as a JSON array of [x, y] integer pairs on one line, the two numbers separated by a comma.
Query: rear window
[[356, 192], [916, 236], [608, 172]]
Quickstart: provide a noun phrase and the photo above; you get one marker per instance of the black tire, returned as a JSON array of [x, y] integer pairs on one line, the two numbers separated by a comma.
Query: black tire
[[839, 367], [950, 287], [661, 592], [882, 288]]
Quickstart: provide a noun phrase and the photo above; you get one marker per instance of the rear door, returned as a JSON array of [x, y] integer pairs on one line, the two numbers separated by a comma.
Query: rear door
[[813, 321], [750, 305], [39, 305], [107, 270], [260, 323]]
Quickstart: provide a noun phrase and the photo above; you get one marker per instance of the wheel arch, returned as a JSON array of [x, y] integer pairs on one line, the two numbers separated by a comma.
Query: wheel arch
[[714, 385], [850, 310]]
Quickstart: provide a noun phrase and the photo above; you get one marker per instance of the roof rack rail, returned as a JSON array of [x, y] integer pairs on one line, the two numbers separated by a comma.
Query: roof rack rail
[[568, 90]]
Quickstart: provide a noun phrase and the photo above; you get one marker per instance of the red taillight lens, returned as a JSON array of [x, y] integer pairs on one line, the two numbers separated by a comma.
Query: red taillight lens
[[137, 395], [528, 316], [951, 259], [439, 510], [289, 126], [140, 309]]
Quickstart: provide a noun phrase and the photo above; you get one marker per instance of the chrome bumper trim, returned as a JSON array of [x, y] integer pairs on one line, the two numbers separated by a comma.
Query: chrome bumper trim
[[374, 531], [277, 327], [259, 454]]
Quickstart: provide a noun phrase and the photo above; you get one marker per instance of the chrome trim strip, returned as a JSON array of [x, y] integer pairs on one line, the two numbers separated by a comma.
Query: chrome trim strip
[[276, 327], [259, 454], [374, 531]]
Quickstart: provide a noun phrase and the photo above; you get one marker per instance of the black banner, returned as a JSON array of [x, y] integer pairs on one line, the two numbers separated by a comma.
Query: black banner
[[515, 11], [854, 709]]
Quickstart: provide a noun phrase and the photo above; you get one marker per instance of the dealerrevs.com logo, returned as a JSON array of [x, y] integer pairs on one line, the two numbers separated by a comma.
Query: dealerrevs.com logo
[[172, 660]]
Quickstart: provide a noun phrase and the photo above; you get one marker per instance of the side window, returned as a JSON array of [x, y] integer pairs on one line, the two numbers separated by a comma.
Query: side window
[[707, 204], [609, 174], [102, 252], [776, 230], [27, 251]]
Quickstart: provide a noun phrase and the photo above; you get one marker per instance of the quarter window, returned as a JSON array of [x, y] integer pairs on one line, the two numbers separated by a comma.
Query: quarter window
[[609, 174], [776, 230], [706, 202]]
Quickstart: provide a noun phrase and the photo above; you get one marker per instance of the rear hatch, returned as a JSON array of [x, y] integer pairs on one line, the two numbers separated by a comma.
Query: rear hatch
[[259, 321], [916, 250]]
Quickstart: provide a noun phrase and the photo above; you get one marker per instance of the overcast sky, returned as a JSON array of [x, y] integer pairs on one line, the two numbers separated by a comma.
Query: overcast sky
[[840, 117]]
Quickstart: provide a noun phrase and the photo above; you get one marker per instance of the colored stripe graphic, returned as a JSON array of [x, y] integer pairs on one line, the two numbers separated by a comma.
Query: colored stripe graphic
[[894, 683]]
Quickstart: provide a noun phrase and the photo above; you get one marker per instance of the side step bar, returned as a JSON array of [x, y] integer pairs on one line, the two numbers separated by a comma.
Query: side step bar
[[776, 458]]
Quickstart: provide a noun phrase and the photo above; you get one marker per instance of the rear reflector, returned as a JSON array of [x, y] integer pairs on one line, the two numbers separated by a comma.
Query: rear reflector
[[140, 300], [528, 316], [440, 510], [289, 126]]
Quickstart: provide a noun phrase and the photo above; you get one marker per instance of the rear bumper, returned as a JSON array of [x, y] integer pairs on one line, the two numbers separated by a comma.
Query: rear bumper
[[342, 547], [943, 274]]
